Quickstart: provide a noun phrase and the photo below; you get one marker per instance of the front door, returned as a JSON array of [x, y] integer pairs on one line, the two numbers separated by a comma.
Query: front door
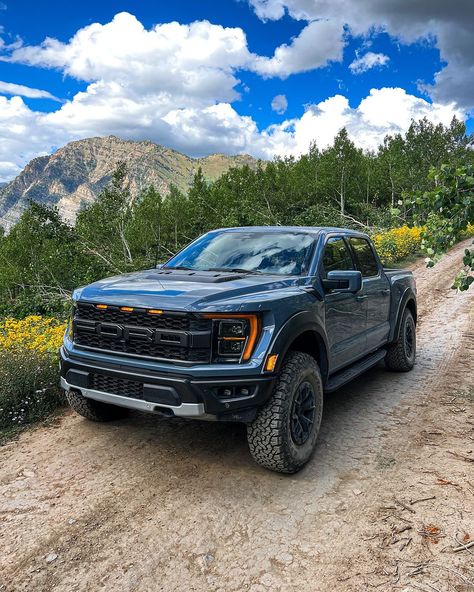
[[346, 313]]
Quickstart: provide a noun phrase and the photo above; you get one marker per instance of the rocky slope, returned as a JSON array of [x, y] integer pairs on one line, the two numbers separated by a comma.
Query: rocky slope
[[75, 174]]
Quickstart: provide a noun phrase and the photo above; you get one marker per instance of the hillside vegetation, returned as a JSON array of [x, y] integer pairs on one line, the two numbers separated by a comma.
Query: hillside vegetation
[[43, 258]]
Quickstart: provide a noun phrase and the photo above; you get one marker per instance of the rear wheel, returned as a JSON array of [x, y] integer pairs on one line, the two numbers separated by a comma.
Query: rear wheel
[[283, 436], [401, 354], [94, 410]]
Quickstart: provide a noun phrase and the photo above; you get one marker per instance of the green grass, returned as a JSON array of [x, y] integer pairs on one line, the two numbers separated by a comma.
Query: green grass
[[29, 390], [9, 434], [468, 394], [385, 462]]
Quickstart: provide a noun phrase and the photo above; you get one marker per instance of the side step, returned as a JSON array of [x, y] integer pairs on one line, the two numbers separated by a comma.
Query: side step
[[347, 374]]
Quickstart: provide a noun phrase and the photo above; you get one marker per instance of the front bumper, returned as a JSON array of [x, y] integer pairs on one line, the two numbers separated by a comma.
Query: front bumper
[[224, 399]]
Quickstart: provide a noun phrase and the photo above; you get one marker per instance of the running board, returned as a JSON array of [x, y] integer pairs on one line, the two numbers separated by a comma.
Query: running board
[[347, 374]]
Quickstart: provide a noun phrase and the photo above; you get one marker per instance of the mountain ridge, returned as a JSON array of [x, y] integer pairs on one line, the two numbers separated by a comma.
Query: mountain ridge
[[75, 174]]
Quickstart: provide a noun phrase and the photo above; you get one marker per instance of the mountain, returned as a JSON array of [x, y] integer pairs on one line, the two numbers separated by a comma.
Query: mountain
[[75, 174]]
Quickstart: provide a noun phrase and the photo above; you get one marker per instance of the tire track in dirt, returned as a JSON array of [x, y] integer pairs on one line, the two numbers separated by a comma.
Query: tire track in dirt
[[147, 504]]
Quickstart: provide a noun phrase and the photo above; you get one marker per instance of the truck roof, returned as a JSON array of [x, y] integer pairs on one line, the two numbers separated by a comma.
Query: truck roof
[[302, 229]]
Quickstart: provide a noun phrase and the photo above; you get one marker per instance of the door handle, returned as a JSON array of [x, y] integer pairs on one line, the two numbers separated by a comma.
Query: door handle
[[361, 297], [385, 292]]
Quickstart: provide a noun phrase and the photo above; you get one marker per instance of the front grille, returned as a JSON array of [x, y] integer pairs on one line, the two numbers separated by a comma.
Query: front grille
[[116, 386], [180, 337], [140, 318]]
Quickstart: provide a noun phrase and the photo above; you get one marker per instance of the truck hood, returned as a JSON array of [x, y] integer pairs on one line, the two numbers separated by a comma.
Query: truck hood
[[186, 290]]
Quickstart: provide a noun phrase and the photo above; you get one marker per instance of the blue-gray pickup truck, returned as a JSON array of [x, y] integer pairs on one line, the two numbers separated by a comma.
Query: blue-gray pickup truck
[[249, 325]]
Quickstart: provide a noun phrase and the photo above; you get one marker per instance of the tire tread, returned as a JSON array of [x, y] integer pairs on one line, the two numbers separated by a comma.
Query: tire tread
[[266, 434], [396, 358]]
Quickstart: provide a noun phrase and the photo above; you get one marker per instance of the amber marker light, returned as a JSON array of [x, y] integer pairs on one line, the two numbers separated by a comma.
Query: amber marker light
[[254, 323], [101, 306], [155, 311], [271, 362], [126, 309]]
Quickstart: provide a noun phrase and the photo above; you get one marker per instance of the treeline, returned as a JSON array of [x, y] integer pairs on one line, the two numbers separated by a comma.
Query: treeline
[[43, 258]]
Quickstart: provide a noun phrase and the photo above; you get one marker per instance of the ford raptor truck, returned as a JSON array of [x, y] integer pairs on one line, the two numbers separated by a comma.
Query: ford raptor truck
[[251, 325]]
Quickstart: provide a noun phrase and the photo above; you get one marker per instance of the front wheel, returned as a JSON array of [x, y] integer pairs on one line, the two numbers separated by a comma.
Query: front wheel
[[283, 436], [401, 354]]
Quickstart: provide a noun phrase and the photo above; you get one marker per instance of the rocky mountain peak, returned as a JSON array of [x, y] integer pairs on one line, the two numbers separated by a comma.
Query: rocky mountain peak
[[76, 173]]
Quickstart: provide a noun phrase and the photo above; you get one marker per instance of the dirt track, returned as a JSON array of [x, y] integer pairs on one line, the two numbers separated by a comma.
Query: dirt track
[[147, 505]]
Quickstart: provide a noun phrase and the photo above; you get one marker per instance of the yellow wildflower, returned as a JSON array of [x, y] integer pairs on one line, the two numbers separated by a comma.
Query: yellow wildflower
[[397, 243], [41, 334]]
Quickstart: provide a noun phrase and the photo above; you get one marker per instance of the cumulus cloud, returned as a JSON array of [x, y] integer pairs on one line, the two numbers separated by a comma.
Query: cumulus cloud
[[176, 84], [447, 25], [279, 104], [8, 88], [319, 43], [23, 136], [384, 111], [219, 128], [191, 63], [368, 61]]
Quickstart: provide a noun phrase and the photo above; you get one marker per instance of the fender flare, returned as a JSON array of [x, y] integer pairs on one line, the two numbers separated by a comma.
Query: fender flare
[[408, 299], [295, 326]]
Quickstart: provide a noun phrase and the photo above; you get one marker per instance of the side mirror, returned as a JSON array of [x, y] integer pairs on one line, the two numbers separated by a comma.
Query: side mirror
[[343, 281], [159, 266]]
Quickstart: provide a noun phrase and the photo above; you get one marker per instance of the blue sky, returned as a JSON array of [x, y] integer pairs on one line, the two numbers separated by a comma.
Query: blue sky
[[207, 83]]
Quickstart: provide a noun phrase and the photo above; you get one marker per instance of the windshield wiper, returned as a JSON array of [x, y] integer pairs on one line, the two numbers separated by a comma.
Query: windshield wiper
[[182, 267], [236, 270]]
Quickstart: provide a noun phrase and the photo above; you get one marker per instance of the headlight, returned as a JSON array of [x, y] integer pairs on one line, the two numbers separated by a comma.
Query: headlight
[[236, 335], [232, 329]]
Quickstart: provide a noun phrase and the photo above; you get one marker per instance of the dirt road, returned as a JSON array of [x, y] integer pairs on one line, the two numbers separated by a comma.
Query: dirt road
[[147, 504]]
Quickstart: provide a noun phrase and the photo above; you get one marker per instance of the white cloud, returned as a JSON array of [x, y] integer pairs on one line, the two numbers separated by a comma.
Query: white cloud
[[279, 104], [319, 43], [216, 128], [384, 111], [368, 61], [175, 84], [193, 63], [22, 136], [8, 88], [446, 24]]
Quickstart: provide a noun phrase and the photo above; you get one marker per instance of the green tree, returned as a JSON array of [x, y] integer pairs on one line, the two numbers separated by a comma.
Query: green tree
[[101, 228], [341, 170], [40, 263], [447, 211]]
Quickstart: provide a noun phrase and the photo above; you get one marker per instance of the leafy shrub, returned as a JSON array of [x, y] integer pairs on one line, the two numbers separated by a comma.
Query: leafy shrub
[[29, 388], [398, 243]]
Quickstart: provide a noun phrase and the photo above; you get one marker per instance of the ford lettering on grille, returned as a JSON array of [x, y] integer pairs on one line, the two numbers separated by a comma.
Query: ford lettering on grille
[[124, 333]]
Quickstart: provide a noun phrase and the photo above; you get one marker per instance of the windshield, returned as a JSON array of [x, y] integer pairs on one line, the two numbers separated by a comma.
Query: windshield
[[276, 253]]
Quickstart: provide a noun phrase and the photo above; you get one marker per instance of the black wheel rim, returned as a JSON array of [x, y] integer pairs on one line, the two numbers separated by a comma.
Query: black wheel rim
[[303, 413], [409, 340]]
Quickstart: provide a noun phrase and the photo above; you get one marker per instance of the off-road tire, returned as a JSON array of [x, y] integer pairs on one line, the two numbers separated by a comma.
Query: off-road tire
[[270, 436], [400, 357], [94, 410]]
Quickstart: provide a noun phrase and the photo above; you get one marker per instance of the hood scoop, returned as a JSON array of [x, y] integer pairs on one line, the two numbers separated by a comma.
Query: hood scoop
[[201, 277]]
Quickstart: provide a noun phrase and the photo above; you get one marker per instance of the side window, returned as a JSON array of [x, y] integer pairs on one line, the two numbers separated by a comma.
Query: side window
[[365, 259], [337, 256]]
